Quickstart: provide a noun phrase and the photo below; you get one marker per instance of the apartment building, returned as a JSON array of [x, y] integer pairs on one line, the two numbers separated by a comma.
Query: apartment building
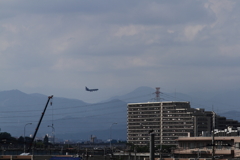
[[168, 121]]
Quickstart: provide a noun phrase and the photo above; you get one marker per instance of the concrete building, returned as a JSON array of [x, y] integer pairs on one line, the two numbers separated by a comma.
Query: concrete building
[[201, 147], [169, 120]]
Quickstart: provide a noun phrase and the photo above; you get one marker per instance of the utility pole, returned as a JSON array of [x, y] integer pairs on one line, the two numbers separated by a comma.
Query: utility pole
[[213, 142], [25, 137], [111, 135], [151, 146]]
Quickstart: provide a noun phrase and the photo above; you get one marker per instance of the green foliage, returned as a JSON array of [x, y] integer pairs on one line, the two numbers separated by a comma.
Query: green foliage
[[20, 140], [28, 139], [142, 148], [39, 144], [136, 148], [5, 135], [6, 138], [130, 146]]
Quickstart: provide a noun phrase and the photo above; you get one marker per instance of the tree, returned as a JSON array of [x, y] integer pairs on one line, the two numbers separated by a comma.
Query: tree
[[39, 144], [20, 140], [28, 139], [5, 135], [6, 138]]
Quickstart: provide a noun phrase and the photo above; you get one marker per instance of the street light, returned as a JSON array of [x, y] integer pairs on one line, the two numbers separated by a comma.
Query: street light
[[24, 136], [111, 133], [151, 146], [53, 132]]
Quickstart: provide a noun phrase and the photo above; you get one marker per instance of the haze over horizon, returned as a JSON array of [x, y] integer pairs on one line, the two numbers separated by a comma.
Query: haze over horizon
[[76, 119], [58, 47]]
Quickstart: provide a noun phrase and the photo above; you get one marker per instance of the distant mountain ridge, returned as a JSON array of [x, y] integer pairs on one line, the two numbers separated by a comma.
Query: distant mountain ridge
[[69, 116], [141, 94], [75, 119]]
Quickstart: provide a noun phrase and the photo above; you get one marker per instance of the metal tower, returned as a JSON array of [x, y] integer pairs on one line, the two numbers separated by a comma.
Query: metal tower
[[157, 94]]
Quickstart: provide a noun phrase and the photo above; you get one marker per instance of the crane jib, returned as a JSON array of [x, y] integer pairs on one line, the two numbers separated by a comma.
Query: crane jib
[[36, 130]]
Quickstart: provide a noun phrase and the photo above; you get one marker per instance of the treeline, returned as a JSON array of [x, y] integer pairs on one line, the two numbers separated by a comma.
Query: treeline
[[6, 139]]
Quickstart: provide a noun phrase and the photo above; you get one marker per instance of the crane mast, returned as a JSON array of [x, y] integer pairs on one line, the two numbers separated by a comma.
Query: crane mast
[[35, 133]]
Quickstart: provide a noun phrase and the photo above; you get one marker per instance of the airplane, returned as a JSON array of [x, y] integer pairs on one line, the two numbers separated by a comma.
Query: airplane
[[90, 90]]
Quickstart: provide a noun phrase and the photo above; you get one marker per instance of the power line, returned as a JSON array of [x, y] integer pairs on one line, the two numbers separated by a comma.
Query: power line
[[86, 107]]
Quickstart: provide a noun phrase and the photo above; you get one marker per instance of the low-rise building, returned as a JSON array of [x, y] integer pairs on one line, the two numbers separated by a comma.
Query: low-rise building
[[201, 147]]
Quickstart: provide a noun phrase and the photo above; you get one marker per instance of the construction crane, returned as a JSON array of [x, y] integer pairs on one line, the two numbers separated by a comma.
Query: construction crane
[[35, 133]]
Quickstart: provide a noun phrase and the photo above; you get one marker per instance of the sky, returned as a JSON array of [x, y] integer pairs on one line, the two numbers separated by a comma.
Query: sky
[[58, 47]]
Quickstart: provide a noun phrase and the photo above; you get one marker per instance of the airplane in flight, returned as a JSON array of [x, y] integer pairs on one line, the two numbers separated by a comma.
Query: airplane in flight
[[90, 90]]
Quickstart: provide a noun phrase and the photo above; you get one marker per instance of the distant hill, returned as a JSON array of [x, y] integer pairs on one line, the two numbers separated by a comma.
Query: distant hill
[[76, 120], [231, 115], [141, 94], [69, 116]]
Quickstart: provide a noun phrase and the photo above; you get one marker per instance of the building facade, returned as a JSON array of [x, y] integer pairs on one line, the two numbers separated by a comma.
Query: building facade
[[168, 121], [201, 147]]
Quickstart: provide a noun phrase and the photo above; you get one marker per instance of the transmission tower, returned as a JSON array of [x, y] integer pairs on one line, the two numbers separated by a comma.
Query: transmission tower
[[157, 94]]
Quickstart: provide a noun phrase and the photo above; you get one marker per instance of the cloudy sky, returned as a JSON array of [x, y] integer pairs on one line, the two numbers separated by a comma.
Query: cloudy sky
[[60, 46]]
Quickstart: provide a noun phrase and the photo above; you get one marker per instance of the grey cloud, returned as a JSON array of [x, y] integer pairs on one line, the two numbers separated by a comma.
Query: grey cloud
[[121, 12], [164, 13], [113, 38], [64, 7]]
